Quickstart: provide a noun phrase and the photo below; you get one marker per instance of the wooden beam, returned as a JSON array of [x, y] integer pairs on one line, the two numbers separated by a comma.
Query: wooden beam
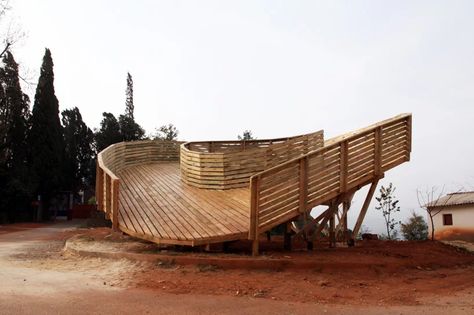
[[108, 199], [312, 223], [343, 166], [321, 227], [409, 123], [378, 151], [346, 207], [115, 204], [99, 188], [287, 237], [365, 206], [255, 246], [332, 231], [303, 188], [254, 190]]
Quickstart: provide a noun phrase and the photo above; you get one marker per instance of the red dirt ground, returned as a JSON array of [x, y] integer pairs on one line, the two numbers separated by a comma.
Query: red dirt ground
[[17, 227], [373, 272]]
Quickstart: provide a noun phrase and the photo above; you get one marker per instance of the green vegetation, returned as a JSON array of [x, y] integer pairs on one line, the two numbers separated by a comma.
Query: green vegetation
[[246, 135], [45, 138], [42, 154], [388, 205], [167, 132], [415, 228]]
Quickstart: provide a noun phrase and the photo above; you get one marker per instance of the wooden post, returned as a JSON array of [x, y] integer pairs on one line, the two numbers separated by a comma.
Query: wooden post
[[254, 190], [254, 196], [332, 223], [378, 151], [409, 123], [287, 237], [343, 170], [363, 211], [99, 188], [108, 199], [255, 247], [115, 204], [303, 188], [345, 208]]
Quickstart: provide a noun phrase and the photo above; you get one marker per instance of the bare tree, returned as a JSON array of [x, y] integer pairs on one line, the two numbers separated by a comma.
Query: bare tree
[[11, 33], [430, 201]]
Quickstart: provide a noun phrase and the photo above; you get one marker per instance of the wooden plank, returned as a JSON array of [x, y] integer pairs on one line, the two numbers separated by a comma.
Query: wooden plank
[[99, 188], [254, 196], [115, 204], [365, 206], [303, 191], [343, 167], [108, 197], [233, 168]]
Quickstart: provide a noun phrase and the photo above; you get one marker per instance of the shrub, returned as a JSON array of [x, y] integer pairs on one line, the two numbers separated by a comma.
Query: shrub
[[415, 229]]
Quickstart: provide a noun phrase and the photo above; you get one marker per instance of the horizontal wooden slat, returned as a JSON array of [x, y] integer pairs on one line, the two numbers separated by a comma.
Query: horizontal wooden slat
[[342, 164], [229, 164]]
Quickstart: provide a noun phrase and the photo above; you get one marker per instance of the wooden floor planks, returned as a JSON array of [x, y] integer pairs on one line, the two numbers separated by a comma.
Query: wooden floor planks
[[154, 201]]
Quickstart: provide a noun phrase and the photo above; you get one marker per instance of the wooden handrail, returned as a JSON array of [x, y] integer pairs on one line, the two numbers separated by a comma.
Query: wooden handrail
[[228, 165], [243, 144], [282, 192]]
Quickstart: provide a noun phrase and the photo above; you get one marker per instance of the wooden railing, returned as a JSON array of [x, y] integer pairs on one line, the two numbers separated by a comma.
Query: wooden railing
[[285, 191], [121, 155], [229, 164]]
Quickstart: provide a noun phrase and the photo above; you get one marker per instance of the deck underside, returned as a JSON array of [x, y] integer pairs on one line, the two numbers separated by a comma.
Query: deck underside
[[156, 205]]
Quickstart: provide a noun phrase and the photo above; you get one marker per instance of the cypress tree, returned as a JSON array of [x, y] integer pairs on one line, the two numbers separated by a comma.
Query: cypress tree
[[129, 129], [15, 188], [46, 136], [129, 107], [80, 155], [109, 132]]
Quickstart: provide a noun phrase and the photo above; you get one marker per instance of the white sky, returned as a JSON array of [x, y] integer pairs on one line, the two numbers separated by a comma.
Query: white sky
[[278, 68]]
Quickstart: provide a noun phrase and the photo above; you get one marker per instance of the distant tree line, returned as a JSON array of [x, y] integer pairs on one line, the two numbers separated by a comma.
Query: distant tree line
[[44, 152]]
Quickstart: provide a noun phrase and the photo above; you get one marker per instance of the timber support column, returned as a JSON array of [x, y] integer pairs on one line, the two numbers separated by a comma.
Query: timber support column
[[287, 238], [332, 232], [255, 244]]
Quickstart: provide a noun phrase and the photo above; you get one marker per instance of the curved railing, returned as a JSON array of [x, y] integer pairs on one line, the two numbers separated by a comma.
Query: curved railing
[[229, 164], [121, 155], [286, 177], [283, 192]]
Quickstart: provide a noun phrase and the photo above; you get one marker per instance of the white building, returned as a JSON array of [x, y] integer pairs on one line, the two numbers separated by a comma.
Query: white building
[[453, 216]]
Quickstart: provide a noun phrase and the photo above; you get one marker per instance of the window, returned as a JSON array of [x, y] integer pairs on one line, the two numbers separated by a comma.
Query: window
[[447, 219]]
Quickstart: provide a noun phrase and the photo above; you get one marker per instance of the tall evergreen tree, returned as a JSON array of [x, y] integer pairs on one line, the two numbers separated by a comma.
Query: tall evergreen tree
[[129, 108], [80, 155], [109, 132], [129, 129], [15, 188], [46, 136]]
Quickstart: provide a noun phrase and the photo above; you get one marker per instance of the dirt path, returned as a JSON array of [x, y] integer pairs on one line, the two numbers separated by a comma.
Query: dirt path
[[36, 277]]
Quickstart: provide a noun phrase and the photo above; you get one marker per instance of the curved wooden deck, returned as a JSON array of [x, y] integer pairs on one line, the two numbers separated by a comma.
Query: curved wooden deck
[[156, 203], [234, 190]]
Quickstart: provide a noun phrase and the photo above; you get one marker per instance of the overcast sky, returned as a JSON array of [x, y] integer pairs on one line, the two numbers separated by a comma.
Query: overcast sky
[[278, 68]]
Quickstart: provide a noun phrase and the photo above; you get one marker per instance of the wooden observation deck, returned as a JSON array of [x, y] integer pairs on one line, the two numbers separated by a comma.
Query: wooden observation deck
[[198, 193]]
